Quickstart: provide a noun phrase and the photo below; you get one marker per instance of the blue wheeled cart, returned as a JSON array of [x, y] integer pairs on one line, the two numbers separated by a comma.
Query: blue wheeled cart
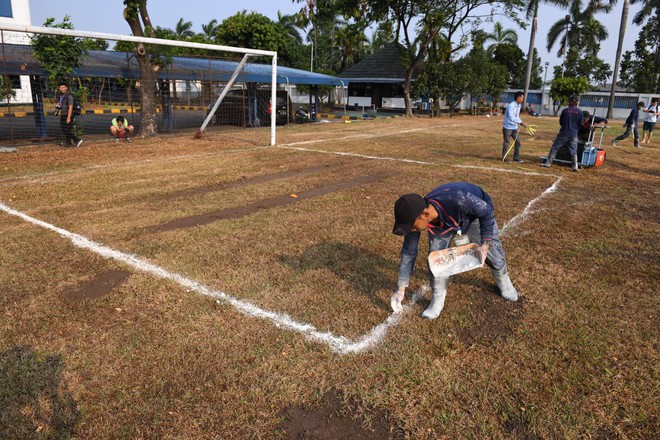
[[590, 155]]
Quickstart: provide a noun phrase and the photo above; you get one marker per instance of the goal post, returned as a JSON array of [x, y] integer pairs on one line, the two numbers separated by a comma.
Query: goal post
[[200, 71]]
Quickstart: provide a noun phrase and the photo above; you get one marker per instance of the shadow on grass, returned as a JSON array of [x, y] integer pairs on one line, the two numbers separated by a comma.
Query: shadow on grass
[[34, 401], [364, 270]]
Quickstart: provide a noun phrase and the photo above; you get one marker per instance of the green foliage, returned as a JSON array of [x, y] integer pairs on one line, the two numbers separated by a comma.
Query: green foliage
[[95, 44], [59, 55], [579, 35], [563, 88], [257, 31], [515, 61], [640, 71], [475, 74], [6, 90]]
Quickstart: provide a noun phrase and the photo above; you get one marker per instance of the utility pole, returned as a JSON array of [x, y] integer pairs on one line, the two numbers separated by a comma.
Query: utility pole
[[545, 78]]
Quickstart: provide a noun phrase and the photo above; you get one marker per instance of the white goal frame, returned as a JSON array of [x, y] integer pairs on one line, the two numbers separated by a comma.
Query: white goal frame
[[132, 39]]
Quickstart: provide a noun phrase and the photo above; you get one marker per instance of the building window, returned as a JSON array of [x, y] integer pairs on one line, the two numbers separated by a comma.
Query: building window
[[5, 8]]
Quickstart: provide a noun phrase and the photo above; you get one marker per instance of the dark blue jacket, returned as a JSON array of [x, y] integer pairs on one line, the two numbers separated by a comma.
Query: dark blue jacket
[[633, 117], [570, 121], [461, 203]]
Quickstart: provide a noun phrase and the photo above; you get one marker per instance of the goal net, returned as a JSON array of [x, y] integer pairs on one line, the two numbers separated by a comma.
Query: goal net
[[218, 92]]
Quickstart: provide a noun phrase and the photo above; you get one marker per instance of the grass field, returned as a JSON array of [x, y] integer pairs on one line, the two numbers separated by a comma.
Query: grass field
[[218, 288]]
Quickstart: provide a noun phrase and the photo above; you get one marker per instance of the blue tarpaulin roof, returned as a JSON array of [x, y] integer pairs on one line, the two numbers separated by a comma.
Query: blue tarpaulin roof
[[19, 60]]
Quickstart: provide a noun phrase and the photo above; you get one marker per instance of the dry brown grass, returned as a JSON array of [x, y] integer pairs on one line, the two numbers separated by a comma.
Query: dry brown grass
[[576, 357]]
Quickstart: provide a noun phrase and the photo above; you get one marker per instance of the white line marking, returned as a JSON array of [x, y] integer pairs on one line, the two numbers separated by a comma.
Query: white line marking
[[505, 170], [528, 209], [339, 344], [356, 155], [35, 177]]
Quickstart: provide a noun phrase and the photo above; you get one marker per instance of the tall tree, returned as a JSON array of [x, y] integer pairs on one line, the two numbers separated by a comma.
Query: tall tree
[[500, 36], [290, 23], [412, 16], [137, 17], [639, 67], [257, 31], [617, 60], [352, 45], [648, 6], [209, 29], [183, 29], [578, 31], [58, 54]]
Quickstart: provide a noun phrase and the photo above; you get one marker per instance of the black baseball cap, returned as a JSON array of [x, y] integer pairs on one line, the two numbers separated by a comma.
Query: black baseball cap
[[406, 210]]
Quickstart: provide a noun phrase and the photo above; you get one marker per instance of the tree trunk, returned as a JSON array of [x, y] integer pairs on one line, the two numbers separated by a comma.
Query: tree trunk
[[148, 72], [406, 89], [615, 74], [148, 78], [530, 53]]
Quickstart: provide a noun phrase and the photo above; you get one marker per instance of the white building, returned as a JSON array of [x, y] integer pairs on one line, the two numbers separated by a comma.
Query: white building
[[17, 12]]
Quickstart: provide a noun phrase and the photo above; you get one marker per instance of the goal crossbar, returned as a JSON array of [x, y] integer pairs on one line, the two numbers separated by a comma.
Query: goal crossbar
[[13, 27]]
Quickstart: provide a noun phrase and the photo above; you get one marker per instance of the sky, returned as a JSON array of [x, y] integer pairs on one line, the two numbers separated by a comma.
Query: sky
[[106, 17]]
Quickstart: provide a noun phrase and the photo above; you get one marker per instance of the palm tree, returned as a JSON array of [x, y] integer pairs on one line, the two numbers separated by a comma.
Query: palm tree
[[500, 36], [184, 29], [648, 6], [208, 30], [351, 44], [532, 12], [571, 27], [291, 24]]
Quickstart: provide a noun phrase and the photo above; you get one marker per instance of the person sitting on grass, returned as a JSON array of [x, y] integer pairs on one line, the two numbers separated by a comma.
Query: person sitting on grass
[[451, 209], [120, 128]]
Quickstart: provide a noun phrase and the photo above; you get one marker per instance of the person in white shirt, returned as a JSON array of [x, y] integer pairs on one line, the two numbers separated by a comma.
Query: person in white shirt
[[652, 113]]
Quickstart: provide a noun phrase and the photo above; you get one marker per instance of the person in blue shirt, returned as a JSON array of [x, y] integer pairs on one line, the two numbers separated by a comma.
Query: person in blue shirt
[[570, 121], [510, 126], [451, 209], [631, 126]]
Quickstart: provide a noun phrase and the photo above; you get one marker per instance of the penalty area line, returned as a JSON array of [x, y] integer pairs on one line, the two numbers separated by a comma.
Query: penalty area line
[[338, 344]]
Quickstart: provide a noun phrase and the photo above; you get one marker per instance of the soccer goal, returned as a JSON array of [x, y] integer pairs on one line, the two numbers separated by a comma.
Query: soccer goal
[[208, 90]]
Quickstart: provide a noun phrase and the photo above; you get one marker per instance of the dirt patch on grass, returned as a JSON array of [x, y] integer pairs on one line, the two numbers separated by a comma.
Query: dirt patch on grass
[[497, 318], [245, 181], [100, 285], [272, 202], [331, 422]]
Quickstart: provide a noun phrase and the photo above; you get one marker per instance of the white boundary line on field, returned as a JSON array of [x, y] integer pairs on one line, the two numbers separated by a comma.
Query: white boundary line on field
[[528, 209], [339, 344], [356, 155], [36, 177]]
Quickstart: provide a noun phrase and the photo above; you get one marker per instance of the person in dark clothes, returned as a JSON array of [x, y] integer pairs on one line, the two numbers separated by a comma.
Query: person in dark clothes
[[631, 126], [569, 121], [67, 119], [452, 209]]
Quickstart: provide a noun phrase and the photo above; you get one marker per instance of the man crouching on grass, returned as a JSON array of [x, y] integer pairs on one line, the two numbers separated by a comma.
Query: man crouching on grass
[[449, 210], [120, 128]]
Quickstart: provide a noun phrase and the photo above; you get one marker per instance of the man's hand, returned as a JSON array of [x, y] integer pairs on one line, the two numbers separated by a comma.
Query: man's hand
[[397, 297], [483, 251]]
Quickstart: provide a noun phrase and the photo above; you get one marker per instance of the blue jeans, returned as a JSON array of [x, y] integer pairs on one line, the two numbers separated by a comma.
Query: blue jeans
[[560, 141], [494, 259], [629, 128], [510, 134]]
